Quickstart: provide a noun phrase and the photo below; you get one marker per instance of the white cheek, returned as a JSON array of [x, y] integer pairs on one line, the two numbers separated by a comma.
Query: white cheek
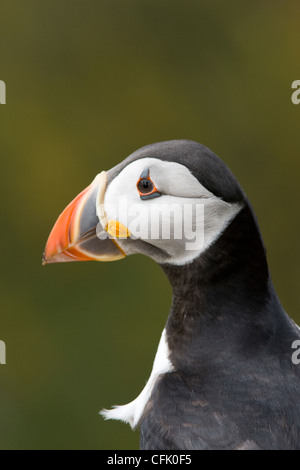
[[130, 211], [182, 226], [211, 223]]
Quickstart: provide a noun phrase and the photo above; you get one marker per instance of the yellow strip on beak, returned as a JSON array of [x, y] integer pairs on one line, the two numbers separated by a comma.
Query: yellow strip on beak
[[117, 230]]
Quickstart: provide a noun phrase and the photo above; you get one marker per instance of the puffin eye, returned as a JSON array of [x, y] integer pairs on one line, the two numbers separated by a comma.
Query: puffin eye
[[146, 187]]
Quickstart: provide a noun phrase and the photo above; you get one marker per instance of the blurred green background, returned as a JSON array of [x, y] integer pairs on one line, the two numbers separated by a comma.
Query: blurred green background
[[88, 82]]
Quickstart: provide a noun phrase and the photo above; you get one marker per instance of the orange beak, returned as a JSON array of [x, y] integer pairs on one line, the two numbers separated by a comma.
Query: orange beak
[[78, 235]]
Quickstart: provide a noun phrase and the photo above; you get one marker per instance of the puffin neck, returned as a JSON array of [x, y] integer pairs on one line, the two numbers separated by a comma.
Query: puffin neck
[[219, 296]]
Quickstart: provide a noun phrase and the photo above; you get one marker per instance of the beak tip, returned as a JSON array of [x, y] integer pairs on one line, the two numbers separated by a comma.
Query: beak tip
[[44, 260]]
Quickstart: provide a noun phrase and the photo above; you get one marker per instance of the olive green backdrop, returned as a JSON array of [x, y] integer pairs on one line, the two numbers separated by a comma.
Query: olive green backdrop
[[88, 82]]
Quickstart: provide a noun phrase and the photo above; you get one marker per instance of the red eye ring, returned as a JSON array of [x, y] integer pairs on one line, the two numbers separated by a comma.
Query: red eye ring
[[146, 187]]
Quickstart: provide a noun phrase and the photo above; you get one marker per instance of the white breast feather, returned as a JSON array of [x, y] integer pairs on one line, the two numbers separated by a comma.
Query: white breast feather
[[132, 412]]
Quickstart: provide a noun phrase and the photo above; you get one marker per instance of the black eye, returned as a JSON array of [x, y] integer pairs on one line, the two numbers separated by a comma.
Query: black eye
[[145, 186]]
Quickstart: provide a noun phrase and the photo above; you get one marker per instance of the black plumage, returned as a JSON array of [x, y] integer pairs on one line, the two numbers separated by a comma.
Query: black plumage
[[234, 385]]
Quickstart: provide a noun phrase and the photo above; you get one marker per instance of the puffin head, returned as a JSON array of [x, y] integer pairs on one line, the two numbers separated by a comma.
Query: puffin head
[[170, 201]]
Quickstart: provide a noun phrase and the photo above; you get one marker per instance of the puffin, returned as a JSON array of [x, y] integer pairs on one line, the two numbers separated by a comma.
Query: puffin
[[223, 375]]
